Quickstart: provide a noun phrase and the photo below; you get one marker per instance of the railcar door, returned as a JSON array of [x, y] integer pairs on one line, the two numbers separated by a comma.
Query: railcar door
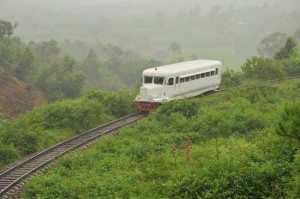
[[171, 87]]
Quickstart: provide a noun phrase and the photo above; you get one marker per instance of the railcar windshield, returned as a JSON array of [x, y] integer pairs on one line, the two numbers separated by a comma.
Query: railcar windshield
[[148, 80], [155, 80], [159, 80]]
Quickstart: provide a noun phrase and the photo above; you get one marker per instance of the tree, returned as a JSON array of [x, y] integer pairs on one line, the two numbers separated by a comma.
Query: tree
[[286, 51], [270, 45], [296, 36], [175, 48], [47, 51], [6, 29], [59, 80], [25, 63], [259, 68], [6, 54]]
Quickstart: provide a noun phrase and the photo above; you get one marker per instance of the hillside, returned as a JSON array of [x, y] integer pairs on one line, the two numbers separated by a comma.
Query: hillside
[[221, 146], [16, 96]]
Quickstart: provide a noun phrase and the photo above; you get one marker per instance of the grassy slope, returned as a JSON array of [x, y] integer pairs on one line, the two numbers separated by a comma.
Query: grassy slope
[[235, 153], [49, 124]]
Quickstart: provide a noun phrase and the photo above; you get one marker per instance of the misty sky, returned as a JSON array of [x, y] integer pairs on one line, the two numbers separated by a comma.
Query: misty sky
[[144, 25]]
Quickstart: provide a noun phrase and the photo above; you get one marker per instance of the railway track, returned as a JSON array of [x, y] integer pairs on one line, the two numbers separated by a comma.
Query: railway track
[[13, 178]]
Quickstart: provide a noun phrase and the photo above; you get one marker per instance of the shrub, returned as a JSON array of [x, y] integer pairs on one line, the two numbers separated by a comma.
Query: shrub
[[262, 69], [116, 103], [76, 115], [288, 124], [8, 153]]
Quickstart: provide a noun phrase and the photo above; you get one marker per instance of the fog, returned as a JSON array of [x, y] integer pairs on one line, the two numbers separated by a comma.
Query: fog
[[201, 27]]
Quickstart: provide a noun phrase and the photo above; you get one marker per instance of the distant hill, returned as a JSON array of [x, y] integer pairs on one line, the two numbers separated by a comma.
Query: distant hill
[[16, 96]]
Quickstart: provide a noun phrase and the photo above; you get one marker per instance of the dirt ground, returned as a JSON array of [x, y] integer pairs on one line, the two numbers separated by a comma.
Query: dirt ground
[[16, 96]]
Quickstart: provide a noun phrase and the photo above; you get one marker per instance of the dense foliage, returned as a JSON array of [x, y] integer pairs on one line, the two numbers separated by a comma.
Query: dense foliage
[[51, 123], [221, 146], [111, 68], [284, 63], [40, 65], [44, 66]]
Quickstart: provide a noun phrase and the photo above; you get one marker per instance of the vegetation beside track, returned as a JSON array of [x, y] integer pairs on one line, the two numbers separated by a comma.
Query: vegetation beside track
[[242, 143], [51, 123]]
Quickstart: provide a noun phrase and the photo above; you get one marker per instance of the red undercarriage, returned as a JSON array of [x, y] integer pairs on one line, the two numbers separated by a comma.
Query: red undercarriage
[[146, 106]]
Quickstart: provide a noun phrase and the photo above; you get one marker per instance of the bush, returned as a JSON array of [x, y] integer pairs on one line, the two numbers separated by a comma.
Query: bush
[[8, 153], [231, 78], [76, 115], [116, 103], [288, 124], [262, 69], [296, 184]]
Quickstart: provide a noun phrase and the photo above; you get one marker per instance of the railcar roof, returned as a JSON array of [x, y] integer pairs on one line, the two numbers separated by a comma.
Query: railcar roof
[[181, 67]]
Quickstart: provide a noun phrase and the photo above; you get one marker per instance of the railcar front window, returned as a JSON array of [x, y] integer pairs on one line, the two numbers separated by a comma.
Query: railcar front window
[[159, 80], [148, 79]]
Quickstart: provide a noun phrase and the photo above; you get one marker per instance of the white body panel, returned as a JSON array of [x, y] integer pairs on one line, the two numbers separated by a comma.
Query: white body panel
[[188, 80]]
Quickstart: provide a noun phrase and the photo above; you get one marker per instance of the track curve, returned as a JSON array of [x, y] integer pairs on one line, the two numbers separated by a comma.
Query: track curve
[[17, 173]]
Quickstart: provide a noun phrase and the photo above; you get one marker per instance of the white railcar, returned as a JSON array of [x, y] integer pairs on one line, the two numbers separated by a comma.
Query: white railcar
[[177, 81]]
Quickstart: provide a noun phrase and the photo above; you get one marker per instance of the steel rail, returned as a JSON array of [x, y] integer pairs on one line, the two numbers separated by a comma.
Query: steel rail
[[12, 176]]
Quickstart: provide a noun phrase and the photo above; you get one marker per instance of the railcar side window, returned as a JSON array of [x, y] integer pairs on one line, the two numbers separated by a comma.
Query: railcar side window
[[148, 79], [177, 80], [192, 77], [212, 73], [187, 79], [217, 70], [171, 81], [198, 76], [159, 80], [207, 74], [181, 80], [202, 75]]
